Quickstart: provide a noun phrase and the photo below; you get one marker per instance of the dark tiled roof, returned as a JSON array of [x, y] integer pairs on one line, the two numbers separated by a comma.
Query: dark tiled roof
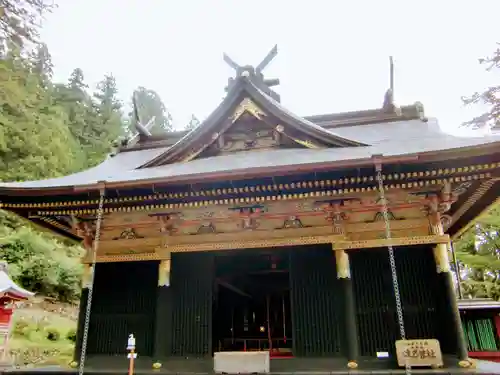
[[243, 88], [412, 137]]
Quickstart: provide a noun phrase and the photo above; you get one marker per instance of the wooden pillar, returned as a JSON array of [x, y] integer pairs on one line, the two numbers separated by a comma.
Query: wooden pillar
[[349, 318], [449, 306], [163, 323]]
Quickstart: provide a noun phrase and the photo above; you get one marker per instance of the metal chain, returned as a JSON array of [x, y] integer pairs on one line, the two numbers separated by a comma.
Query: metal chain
[[95, 246], [392, 260]]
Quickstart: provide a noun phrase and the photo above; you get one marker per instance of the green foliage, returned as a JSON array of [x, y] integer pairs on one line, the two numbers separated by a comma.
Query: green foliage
[[42, 264], [193, 123], [48, 129], [478, 251], [22, 328], [52, 334], [151, 107], [71, 335], [490, 98], [19, 19]]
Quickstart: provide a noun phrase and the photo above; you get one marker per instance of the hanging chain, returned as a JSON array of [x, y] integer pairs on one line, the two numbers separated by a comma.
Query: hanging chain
[[392, 260], [95, 246]]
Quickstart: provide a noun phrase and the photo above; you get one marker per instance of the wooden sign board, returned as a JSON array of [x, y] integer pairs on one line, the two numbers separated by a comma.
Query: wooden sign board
[[419, 353]]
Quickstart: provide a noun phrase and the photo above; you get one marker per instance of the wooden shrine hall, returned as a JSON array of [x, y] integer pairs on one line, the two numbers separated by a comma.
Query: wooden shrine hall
[[320, 242]]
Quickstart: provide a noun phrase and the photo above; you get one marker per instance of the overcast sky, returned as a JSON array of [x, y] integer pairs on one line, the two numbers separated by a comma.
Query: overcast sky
[[333, 55]]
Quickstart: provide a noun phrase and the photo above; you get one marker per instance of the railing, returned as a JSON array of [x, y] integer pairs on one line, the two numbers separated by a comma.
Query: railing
[[279, 347]]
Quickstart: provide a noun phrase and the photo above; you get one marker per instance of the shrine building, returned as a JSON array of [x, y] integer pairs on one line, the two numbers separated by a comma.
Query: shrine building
[[322, 241]]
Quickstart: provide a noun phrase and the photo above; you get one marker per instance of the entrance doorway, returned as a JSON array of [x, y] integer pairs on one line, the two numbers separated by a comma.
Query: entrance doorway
[[251, 309]]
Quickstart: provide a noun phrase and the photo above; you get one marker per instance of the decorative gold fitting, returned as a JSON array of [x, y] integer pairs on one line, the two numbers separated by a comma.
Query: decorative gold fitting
[[466, 363], [156, 365], [352, 364], [73, 364]]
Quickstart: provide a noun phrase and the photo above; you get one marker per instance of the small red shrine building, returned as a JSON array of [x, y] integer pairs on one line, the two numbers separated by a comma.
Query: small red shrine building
[[10, 293]]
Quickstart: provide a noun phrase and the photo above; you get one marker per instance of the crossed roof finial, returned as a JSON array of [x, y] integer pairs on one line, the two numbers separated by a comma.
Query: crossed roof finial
[[255, 73]]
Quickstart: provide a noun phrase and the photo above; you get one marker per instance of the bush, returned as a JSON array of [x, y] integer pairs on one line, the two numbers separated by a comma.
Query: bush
[[71, 335], [52, 334], [20, 328]]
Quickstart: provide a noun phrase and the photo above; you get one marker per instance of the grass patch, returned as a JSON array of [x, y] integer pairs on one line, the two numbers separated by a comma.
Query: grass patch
[[41, 338]]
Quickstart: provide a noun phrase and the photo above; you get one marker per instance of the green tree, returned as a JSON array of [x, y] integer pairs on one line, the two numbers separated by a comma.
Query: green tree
[[20, 20], [478, 251], [35, 143], [94, 121], [490, 98], [42, 64], [28, 124], [150, 106], [107, 121], [48, 129], [193, 123]]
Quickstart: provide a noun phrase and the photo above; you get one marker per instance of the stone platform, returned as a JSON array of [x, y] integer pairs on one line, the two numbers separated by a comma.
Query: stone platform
[[202, 366]]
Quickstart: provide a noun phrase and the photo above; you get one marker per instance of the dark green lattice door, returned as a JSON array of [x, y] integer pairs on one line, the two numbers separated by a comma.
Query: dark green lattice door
[[192, 292], [316, 302]]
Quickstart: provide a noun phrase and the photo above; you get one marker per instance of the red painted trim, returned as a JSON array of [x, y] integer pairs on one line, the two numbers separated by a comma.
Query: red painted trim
[[488, 356], [496, 321]]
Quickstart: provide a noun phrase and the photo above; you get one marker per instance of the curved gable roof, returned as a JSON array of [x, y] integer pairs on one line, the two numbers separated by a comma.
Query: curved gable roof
[[242, 92]]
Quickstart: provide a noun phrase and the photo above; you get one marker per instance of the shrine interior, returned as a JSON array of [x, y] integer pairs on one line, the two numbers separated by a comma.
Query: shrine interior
[[251, 309]]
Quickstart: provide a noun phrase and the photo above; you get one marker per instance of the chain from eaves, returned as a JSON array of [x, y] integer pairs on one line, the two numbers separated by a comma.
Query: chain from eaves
[[88, 310], [392, 260]]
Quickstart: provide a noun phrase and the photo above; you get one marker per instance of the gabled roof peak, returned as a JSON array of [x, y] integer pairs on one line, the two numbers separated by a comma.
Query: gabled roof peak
[[245, 101], [255, 74]]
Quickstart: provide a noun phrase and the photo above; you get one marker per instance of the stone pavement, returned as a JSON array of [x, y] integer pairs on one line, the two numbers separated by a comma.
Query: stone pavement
[[486, 367]]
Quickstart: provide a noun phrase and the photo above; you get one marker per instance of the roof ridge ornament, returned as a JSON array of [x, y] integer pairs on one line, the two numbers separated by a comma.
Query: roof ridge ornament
[[143, 131], [389, 103], [255, 73]]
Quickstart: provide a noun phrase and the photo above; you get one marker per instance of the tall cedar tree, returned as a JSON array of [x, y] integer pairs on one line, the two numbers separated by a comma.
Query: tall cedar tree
[[48, 129], [20, 20], [490, 98], [478, 249], [150, 106]]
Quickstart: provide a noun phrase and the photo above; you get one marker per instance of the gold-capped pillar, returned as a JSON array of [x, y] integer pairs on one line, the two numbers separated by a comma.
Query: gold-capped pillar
[[448, 306], [349, 311], [163, 331], [88, 274], [164, 272]]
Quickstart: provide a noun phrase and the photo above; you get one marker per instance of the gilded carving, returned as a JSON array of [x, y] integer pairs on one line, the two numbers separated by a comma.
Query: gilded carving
[[446, 221], [379, 216], [167, 221], [248, 216], [128, 234], [334, 214], [85, 230], [292, 222], [206, 228], [248, 139], [306, 143], [461, 188], [247, 105]]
